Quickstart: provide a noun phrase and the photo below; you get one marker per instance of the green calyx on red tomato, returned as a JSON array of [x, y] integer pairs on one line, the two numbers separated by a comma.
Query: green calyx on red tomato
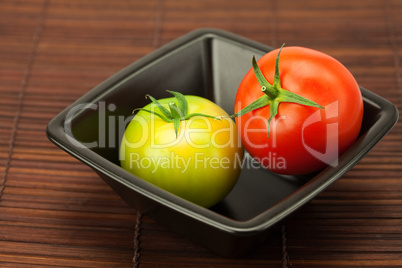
[[274, 94], [173, 144], [299, 116]]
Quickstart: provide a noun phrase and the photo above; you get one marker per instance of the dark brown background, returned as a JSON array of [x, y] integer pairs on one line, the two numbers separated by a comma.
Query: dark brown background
[[55, 211]]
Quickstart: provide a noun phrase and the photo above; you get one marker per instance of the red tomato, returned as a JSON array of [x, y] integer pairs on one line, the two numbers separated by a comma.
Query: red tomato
[[302, 139]]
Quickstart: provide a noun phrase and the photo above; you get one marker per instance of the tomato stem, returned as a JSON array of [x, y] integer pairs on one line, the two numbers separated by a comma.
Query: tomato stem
[[274, 94], [176, 112]]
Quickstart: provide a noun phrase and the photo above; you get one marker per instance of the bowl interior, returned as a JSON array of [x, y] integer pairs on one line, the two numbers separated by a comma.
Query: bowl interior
[[211, 67]]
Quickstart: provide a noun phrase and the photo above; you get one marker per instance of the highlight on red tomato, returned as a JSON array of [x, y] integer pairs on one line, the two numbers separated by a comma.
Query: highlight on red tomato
[[186, 145], [297, 110]]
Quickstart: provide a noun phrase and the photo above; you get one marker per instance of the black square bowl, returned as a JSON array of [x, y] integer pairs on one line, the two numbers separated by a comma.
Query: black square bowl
[[208, 63]]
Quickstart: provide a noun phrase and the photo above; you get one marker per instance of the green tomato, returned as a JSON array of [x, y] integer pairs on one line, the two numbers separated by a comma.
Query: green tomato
[[196, 157]]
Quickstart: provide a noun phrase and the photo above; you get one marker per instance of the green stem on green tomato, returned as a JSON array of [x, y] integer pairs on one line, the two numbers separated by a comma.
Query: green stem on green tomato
[[176, 112], [273, 94]]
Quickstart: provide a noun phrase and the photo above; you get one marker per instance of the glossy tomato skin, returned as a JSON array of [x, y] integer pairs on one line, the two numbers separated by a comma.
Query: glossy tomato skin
[[202, 164], [302, 139]]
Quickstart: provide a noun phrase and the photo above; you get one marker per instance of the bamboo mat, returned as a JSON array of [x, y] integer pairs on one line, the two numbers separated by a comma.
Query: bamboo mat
[[55, 211]]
